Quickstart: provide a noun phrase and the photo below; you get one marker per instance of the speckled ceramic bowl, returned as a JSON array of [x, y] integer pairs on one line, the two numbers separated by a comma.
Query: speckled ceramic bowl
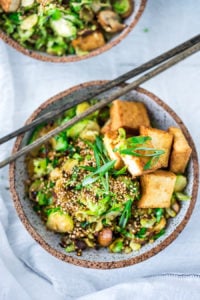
[[139, 6], [163, 117]]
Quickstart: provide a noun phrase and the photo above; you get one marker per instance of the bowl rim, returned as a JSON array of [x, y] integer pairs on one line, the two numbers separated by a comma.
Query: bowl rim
[[73, 58], [101, 264]]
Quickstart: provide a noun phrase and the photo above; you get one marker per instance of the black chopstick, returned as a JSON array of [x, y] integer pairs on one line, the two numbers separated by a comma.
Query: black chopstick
[[122, 91], [109, 85]]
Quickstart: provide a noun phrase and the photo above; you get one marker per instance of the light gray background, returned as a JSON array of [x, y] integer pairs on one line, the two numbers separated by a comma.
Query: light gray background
[[26, 270]]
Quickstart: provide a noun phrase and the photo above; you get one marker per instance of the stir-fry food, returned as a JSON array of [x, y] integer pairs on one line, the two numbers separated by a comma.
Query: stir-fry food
[[64, 27], [111, 180]]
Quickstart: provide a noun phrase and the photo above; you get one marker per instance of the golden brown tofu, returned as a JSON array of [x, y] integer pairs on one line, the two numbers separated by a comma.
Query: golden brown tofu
[[157, 189], [110, 143], [129, 115], [135, 165], [181, 151], [9, 5], [89, 42], [161, 140]]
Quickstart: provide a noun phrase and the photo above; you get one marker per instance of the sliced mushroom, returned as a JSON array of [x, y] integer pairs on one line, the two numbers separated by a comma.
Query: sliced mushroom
[[89, 42], [110, 21]]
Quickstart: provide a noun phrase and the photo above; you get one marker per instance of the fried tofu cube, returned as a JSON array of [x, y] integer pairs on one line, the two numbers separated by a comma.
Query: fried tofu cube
[[110, 142], [135, 165], [157, 189], [181, 151], [161, 140], [129, 115], [10, 5]]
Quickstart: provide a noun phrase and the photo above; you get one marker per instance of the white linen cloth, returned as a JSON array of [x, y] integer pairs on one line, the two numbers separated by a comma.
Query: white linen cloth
[[27, 271]]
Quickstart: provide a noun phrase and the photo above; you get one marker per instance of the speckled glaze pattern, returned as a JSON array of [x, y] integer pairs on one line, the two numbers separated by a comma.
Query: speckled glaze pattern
[[162, 116], [139, 6]]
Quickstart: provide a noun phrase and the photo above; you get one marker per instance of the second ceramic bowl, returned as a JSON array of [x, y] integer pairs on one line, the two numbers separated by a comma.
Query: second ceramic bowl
[[139, 6]]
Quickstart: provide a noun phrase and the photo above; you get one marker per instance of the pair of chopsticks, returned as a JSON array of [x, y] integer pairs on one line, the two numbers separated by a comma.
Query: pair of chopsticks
[[163, 62]]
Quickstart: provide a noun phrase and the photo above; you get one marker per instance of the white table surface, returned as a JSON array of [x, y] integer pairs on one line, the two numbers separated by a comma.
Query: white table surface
[[29, 272]]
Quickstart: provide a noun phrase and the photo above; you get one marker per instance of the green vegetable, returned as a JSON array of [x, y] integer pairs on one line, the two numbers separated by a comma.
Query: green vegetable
[[171, 212], [105, 168], [159, 213], [147, 223], [55, 14], [35, 134], [97, 5], [82, 107], [86, 129], [182, 197], [77, 5], [180, 184], [40, 166], [64, 28], [122, 171], [141, 233], [91, 131], [60, 142], [135, 246], [117, 246], [69, 114], [96, 209], [69, 165], [76, 129], [100, 149], [43, 199], [125, 214], [138, 140], [121, 6], [159, 234], [101, 171], [15, 17], [29, 22], [56, 46], [132, 145], [151, 152], [35, 187], [60, 221], [70, 248], [25, 34], [84, 224]]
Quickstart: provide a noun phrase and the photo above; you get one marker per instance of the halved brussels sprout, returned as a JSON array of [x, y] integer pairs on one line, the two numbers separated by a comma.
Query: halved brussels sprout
[[82, 107], [29, 22], [60, 221], [123, 7], [180, 184], [69, 165], [64, 28]]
